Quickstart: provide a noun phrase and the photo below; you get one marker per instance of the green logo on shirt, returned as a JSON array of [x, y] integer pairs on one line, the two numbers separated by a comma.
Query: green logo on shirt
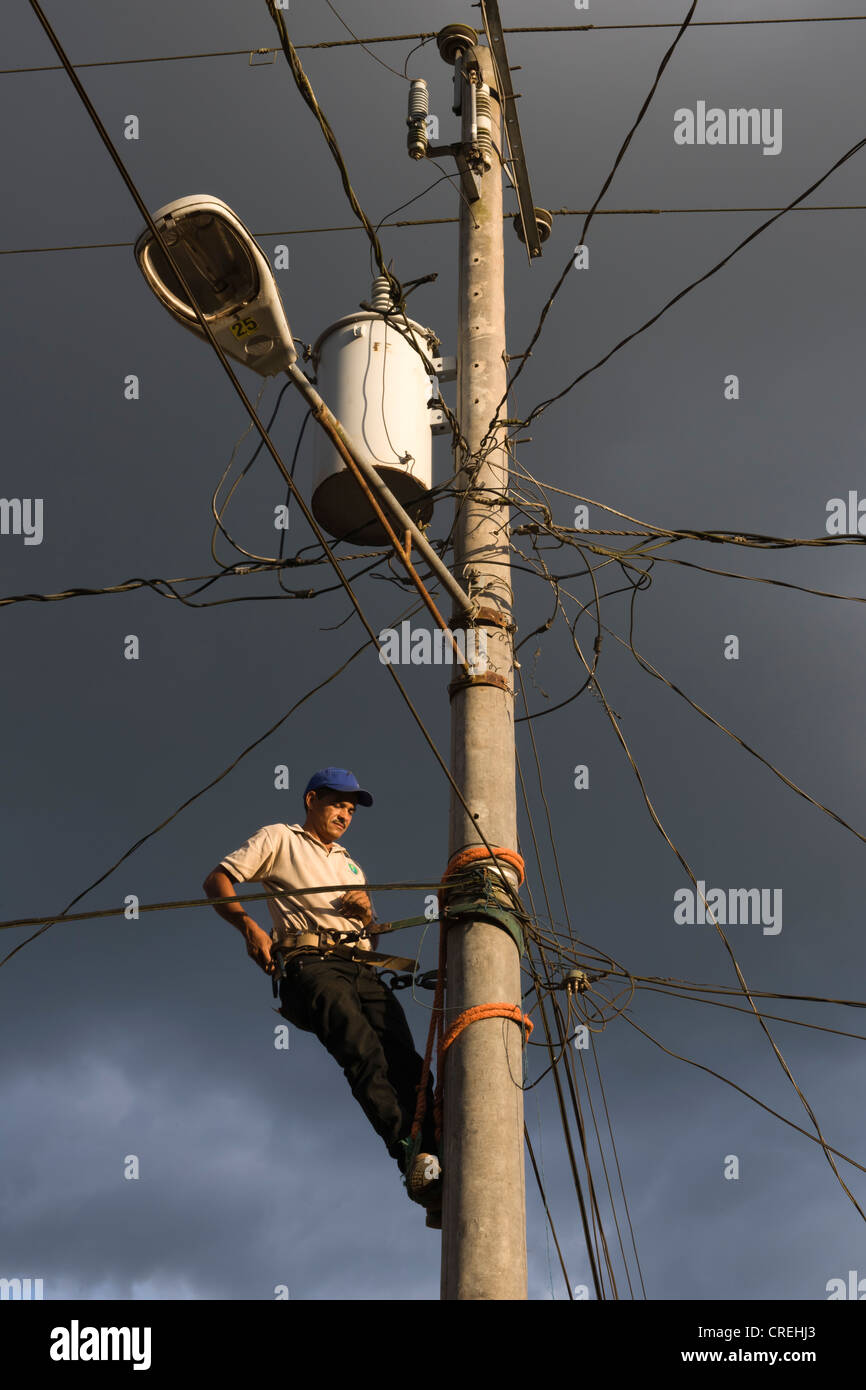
[[353, 867]]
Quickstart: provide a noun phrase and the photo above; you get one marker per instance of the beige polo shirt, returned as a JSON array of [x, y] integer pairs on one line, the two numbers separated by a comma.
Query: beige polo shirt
[[287, 856]]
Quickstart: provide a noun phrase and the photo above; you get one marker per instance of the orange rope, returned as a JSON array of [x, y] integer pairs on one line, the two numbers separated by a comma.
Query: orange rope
[[470, 856], [483, 1011], [473, 1015]]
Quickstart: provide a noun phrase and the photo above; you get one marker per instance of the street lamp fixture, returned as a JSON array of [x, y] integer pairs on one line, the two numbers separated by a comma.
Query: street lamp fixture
[[229, 276], [231, 282]]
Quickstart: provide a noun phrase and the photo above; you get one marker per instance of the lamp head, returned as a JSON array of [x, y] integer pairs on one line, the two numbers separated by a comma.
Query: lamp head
[[228, 275]]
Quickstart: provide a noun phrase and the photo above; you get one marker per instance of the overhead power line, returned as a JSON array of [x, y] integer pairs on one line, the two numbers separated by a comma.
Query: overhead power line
[[627, 561], [672, 24], [543, 405], [294, 231], [777, 1018], [165, 588], [659, 212], [363, 44], [561, 1024], [443, 221], [819, 1136], [431, 34], [539, 1181], [224, 53], [597, 689], [745, 538], [816, 1139], [614, 721], [620, 155], [98, 913]]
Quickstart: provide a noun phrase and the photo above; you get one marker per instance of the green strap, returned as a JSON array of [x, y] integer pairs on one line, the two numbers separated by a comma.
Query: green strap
[[381, 927], [480, 897]]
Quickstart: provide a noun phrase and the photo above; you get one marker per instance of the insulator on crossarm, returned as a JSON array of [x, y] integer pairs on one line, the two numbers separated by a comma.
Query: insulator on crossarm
[[419, 100], [485, 125], [419, 105]]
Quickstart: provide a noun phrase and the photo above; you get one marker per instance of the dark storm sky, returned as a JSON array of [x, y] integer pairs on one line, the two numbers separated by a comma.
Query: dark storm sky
[[155, 1037]]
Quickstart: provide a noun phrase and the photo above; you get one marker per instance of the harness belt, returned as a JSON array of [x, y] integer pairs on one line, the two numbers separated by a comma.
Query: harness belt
[[281, 955]]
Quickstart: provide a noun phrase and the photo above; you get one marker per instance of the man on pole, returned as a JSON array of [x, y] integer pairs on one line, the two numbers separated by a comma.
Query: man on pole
[[340, 999]]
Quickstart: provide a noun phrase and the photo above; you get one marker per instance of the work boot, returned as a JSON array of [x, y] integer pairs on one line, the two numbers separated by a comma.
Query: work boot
[[424, 1180]]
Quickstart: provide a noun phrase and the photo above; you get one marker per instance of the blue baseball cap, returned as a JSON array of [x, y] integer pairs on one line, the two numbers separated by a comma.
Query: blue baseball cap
[[337, 779]]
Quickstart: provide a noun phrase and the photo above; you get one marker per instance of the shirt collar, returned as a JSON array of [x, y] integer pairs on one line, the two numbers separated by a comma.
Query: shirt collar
[[329, 849]]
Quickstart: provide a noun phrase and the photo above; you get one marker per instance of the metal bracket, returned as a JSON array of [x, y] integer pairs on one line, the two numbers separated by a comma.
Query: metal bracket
[[468, 181], [445, 368], [496, 43], [426, 981]]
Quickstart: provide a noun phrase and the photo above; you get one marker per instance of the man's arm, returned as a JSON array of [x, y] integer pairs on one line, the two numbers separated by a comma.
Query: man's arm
[[220, 884]]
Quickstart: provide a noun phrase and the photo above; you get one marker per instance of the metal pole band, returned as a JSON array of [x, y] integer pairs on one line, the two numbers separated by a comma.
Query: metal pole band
[[485, 617], [501, 683]]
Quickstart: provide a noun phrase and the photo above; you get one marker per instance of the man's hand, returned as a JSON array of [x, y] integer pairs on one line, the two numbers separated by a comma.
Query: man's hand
[[259, 946], [219, 884], [356, 904]]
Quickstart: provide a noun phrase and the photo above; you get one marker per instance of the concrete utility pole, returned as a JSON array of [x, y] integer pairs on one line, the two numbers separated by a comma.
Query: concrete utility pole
[[484, 1213]]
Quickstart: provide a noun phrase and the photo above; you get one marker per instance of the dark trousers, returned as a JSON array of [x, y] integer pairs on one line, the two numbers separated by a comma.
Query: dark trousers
[[363, 1027]]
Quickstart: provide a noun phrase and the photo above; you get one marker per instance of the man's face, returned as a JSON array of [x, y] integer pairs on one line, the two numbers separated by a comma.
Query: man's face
[[329, 814]]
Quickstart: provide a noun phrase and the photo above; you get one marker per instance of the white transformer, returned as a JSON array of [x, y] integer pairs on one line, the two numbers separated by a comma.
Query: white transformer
[[379, 388]]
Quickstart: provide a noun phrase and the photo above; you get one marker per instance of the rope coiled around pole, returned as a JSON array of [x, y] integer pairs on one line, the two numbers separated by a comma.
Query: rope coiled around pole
[[436, 1035]]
